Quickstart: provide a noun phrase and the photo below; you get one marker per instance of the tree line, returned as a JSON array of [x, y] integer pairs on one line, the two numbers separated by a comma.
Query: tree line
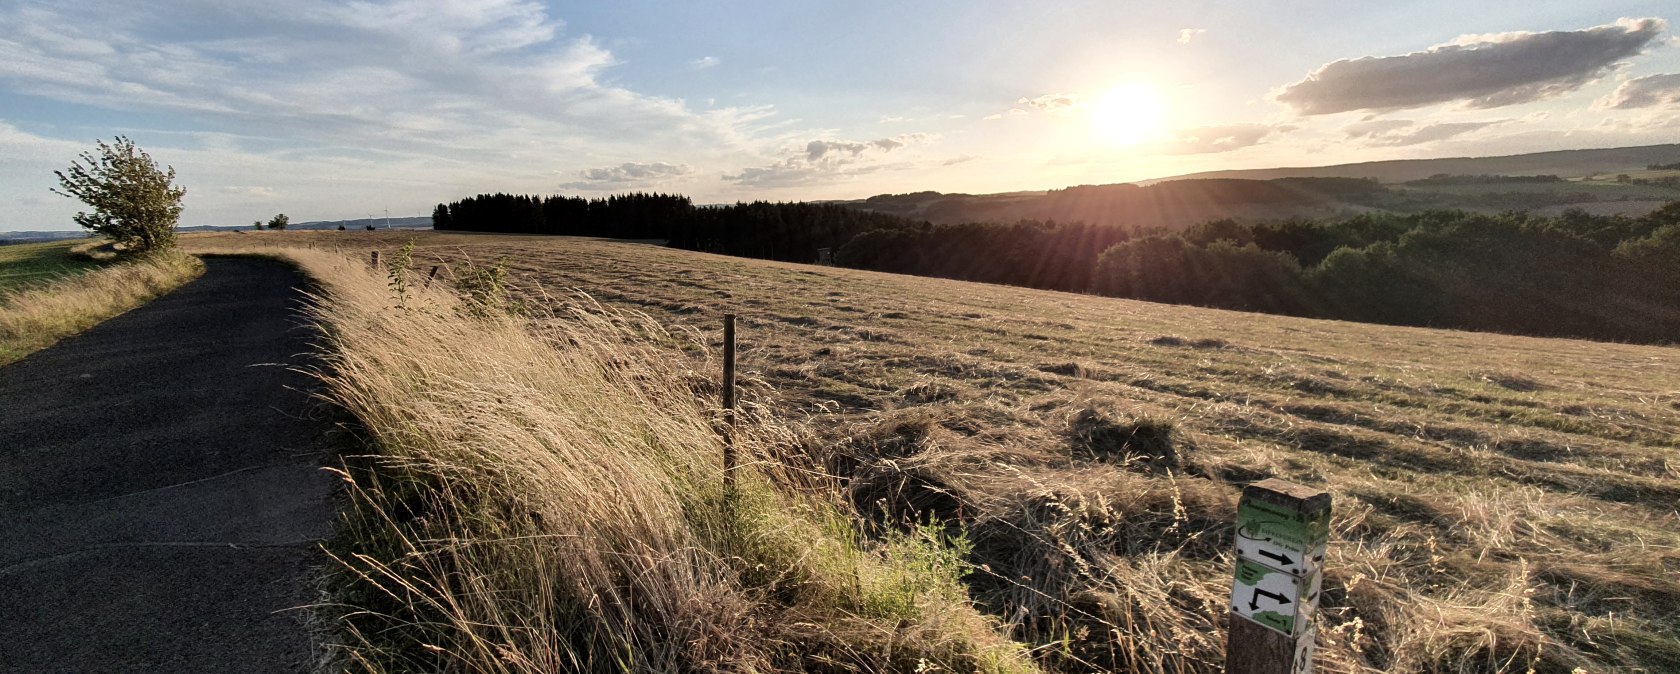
[[1573, 275]]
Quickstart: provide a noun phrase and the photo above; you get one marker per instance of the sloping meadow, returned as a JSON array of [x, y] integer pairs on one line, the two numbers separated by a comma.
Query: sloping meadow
[[542, 492], [1502, 504]]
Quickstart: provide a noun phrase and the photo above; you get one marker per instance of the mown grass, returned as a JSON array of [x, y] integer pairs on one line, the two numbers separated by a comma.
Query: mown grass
[[1503, 504], [36, 316], [28, 265], [542, 492]]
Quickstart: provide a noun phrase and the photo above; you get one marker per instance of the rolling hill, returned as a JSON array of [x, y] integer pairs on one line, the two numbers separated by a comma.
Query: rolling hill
[[1316, 192]]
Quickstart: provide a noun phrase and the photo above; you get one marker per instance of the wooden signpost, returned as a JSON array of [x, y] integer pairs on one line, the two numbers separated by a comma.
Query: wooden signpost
[[729, 402], [1282, 529]]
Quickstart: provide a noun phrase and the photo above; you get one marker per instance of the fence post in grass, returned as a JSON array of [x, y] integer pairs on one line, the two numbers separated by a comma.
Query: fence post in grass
[[431, 275], [375, 262], [729, 403], [1282, 529]]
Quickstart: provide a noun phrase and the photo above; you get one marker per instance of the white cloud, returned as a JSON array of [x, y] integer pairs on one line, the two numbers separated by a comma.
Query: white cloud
[[1053, 103], [1644, 92], [1402, 132], [1013, 112], [704, 62], [1484, 71], [463, 90], [1218, 138], [257, 191], [1188, 35]]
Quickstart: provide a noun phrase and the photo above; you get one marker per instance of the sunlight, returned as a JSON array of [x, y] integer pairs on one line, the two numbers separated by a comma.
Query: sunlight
[[1128, 114]]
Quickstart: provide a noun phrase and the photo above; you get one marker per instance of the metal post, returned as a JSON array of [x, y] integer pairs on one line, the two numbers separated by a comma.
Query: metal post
[[1282, 529], [729, 401]]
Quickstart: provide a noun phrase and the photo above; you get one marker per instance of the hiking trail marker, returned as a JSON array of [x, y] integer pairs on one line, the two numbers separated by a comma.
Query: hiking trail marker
[[1282, 529]]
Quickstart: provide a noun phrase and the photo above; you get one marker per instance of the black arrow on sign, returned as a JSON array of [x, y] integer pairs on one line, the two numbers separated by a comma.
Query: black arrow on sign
[[1281, 559], [1254, 601]]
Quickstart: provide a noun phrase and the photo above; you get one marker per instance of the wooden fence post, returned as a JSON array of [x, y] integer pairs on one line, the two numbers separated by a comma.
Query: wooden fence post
[[431, 276], [375, 262], [1282, 529], [729, 402]]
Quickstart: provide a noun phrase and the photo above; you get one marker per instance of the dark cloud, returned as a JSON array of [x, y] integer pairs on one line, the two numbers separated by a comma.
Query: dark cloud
[[822, 159], [1645, 92], [1486, 71], [628, 173], [1220, 138]]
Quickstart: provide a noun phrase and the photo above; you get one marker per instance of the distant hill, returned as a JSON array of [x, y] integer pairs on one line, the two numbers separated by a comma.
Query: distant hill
[[1565, 163], [416, 222], [1602, 181]]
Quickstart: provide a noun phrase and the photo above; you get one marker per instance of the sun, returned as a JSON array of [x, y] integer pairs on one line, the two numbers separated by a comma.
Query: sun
[[1128, 114]]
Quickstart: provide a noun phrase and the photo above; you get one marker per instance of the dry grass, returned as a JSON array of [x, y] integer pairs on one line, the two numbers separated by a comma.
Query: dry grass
[[543, 493], [1503, 504], [35, 318]]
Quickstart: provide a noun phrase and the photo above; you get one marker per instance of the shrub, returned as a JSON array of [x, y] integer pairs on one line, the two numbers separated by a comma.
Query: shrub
[[134, 202]]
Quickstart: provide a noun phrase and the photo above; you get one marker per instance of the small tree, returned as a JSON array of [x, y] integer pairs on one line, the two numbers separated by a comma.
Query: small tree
[[256, 225], [279, 221], [134, 203]]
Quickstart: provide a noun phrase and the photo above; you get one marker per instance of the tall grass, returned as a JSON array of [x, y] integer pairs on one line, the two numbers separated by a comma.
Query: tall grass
[[36, 318], [544, 494]]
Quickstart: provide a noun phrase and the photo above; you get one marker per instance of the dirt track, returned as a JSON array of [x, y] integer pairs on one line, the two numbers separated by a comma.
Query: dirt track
[[160, 486]]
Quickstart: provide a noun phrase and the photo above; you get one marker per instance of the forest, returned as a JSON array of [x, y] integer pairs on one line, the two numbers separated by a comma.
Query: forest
[[1602, 277]]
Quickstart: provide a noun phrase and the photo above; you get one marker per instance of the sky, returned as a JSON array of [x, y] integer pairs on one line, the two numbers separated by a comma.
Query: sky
[[331, 110]]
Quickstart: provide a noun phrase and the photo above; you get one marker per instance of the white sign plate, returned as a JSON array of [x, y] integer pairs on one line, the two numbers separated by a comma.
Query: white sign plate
[[1270, 597]]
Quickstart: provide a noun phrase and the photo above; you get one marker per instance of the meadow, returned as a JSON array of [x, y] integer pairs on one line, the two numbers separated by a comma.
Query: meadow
[[1502, 504], [28, 265], [49, 291]]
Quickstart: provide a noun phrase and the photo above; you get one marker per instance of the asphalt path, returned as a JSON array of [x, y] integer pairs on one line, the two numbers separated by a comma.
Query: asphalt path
[[161, 490]]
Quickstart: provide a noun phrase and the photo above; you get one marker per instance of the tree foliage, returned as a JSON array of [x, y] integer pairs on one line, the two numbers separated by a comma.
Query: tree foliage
[[133, 202], [279, 221], [1573, 275]]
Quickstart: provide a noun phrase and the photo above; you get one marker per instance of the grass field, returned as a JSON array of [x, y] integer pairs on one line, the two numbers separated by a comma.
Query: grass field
[[1503, 504], [28, 265], [55, 304]]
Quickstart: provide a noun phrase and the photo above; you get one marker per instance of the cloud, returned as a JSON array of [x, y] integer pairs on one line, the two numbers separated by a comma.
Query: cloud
[[1219, 138], [959, 159], [1400, 132], [704, 62], [1188, 35], [1056, 103], [1013, 112], [820, 160], [1484, 71], [628, 173], [1644, 92], [256, 191], [488, 83], [1372, 128]]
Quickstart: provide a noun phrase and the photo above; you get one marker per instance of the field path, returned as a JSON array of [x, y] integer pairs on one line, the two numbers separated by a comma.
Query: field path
[[161, 491]]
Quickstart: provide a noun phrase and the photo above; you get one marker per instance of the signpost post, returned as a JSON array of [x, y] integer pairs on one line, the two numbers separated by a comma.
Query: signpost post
[[1282, 529], [729, 402]]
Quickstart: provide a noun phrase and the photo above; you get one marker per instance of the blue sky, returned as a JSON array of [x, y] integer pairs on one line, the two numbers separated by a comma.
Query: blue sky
[[326, 110]]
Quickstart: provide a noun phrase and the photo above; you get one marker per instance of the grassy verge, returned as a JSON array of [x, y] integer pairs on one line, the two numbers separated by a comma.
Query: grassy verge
[[35, 318], [544, 494], [1503, 504], [29, 265]]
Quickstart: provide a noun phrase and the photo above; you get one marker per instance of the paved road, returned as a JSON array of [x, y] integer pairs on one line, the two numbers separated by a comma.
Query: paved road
[[160, 486]]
